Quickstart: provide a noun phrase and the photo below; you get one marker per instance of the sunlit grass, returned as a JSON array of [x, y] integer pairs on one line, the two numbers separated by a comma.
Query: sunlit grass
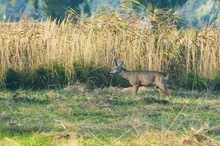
[[107, 117]]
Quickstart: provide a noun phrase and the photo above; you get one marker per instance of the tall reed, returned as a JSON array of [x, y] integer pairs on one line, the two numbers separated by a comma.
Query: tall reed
[[30, 44]]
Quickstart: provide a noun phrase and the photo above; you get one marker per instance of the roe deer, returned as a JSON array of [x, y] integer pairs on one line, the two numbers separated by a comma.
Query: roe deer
[[143, 78]]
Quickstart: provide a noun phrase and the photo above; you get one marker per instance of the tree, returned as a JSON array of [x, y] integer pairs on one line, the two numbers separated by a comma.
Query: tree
[[151, 5], [217, 2], [57, 9], [11, 9]]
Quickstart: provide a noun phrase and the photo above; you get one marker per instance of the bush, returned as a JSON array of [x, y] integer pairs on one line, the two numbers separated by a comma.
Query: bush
[[95, 77], [49, 76], [15, 79], [54, 75], [217, 80], [193, 81]]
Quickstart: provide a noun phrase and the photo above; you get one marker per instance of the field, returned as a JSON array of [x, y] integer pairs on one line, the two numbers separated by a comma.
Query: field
[[76, 115], [56, 88]]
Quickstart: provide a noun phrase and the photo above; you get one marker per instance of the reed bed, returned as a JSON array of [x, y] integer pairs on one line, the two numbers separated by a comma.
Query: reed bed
[[30, 44]]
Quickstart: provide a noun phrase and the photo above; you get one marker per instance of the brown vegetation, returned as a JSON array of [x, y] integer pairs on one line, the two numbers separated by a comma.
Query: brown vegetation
[[29, 44]]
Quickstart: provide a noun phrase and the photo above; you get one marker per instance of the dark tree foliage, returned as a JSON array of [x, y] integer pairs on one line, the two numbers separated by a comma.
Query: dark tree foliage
[[12, 7], [162, 3], [57, 9], [217, 2]]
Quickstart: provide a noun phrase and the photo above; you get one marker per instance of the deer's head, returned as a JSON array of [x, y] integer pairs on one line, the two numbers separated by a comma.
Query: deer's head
[[118, 68]]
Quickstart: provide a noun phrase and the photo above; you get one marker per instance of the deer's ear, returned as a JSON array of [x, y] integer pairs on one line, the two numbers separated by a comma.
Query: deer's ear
[[120, 63]]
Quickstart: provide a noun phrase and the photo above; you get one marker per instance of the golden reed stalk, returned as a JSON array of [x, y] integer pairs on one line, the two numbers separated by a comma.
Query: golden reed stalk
[[30, 44]]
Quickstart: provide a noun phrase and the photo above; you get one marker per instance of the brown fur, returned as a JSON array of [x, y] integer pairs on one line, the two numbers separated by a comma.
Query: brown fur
[[143, 78]]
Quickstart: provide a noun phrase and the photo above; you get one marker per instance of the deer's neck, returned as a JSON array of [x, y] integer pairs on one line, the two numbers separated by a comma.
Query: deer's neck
[[125, 73]]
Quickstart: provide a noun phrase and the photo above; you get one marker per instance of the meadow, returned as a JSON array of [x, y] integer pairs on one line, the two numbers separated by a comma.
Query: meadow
[[56, 88], [110, 116]]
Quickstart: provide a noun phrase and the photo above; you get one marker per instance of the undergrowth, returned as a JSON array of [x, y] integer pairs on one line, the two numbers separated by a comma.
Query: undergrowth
[[55, 75]]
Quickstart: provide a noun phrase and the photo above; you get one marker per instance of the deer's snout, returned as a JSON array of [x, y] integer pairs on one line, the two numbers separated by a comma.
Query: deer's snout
[[112, 72], [116, 70]]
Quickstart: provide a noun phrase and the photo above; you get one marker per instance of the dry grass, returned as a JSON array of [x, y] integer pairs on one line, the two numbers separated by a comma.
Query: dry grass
[[29, 44]]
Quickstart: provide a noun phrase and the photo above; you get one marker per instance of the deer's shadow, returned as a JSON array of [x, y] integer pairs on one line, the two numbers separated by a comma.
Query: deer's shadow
[[140, 100], [152, 100]]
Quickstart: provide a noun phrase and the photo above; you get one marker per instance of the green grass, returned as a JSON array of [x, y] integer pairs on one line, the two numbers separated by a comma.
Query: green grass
[[108, 117]]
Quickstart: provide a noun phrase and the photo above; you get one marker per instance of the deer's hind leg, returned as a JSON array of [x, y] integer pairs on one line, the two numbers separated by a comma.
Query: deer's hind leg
[[161, 92], [162, 89]]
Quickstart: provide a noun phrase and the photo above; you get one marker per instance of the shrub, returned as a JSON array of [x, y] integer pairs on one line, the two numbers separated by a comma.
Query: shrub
[[94, 76], [15, 79], [217, 80], [48, 76]]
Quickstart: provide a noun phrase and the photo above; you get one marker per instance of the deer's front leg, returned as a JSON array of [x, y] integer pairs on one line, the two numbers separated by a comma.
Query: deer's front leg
[[135, 89]]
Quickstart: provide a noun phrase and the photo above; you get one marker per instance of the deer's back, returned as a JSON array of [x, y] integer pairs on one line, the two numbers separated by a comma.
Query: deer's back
[[146, 78]]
